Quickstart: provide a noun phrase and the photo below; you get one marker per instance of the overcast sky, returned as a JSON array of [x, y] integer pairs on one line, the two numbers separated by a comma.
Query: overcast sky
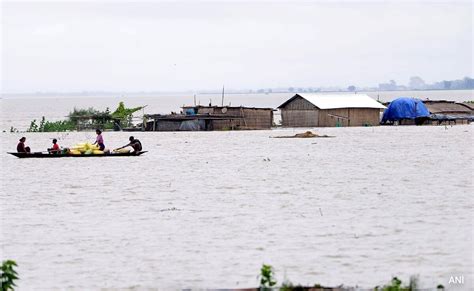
[[126, 46]]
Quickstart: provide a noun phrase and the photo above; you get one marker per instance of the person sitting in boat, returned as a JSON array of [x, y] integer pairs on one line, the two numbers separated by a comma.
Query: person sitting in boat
[[99, 140], [55, 149], [134, 143], [21, 148]]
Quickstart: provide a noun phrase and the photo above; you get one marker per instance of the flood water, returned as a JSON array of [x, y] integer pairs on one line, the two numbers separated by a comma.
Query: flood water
[[207, 209]]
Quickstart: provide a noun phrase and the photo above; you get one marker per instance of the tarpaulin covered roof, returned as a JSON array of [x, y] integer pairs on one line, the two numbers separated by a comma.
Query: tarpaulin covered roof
[[405, 108], [333, 101]]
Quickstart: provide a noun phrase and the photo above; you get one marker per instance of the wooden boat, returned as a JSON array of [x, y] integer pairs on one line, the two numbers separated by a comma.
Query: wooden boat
[[48, 155]]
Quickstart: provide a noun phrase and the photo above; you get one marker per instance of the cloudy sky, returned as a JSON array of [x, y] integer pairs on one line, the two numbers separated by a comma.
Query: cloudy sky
[[176, 46]]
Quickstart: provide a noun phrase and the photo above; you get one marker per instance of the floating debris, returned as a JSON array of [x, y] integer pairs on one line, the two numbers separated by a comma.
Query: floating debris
[[307, 134], [170, 209]]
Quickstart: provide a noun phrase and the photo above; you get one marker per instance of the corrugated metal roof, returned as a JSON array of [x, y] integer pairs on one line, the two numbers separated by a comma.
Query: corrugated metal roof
[[333, 101]]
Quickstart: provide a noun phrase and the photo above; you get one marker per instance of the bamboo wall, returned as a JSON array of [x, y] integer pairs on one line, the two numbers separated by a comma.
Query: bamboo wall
[[300, 118], [302, 113], [299, 103], [252, 118], [349, 117], [167, 125]]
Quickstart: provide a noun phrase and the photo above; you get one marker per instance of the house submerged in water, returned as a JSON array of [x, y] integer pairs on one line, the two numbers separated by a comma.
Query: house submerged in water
[[196, 118], [449, 112], [330, 110], [412, 111]]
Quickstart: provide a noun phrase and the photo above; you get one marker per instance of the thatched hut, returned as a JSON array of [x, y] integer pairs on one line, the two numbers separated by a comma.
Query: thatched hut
[[330, 110], [449, 112]]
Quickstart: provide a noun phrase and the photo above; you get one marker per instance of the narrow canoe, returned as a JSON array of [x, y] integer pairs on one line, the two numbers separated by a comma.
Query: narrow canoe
[[47, 155]]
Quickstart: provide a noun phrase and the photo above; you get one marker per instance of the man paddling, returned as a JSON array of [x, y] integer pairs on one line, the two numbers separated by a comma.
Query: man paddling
[[134, 143]]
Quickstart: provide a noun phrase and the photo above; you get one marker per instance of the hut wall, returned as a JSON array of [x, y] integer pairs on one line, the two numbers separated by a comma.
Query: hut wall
[[349, 117], [326, 120], [300, 118], [300, 113], [205, 110], [300, 103], [257, 118], [167, 125], [252, 118], [364, 116], [447, 122], [330, 117]]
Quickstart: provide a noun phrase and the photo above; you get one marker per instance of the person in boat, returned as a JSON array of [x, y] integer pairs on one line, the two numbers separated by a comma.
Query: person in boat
[[55, 149], [134, 143], [99, 140], [21, 148]]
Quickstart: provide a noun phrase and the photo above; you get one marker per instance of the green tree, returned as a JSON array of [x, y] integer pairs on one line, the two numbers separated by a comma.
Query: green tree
[[8, 275], [267, 277]]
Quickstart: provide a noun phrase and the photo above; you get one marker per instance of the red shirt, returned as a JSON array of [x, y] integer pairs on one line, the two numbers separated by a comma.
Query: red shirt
[[55, 147]]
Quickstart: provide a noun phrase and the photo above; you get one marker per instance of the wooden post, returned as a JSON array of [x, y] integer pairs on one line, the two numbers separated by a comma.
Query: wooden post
[[222, 103]]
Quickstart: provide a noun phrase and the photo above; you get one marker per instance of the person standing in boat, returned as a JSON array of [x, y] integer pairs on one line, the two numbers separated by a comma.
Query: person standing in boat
[[21, 148], [99, 140], [55, 149], [134, 143]]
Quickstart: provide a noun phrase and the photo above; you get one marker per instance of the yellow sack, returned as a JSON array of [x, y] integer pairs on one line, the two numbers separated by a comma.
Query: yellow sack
[[74, 152], [88, 152], [97, 152]]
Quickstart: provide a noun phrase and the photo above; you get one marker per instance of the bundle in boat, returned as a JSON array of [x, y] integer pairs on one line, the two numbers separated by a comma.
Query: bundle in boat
[[86, 149]]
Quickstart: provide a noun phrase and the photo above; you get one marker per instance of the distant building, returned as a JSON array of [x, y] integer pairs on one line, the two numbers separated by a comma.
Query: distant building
[[321, 110]]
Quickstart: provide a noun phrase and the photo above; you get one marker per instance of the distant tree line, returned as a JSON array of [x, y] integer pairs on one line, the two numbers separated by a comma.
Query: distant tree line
[[414, 83], [417, 83]]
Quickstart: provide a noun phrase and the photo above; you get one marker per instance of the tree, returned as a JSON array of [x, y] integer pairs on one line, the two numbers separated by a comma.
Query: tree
[[468, 83], [417, 83], [447, 85], [351, 88]]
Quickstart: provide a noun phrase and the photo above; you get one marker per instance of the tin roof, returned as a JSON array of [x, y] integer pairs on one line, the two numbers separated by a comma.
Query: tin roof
[[333, 101]]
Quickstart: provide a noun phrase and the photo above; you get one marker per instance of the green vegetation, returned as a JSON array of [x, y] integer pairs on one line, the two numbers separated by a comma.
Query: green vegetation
[[123, 113], [268, 282], [51, 126], [288, 286], [266, 277], [8, 275], [396, 285], [90, 118]]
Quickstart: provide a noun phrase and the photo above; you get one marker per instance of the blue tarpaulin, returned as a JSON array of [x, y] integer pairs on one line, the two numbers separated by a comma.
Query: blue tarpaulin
[[405, 108]]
